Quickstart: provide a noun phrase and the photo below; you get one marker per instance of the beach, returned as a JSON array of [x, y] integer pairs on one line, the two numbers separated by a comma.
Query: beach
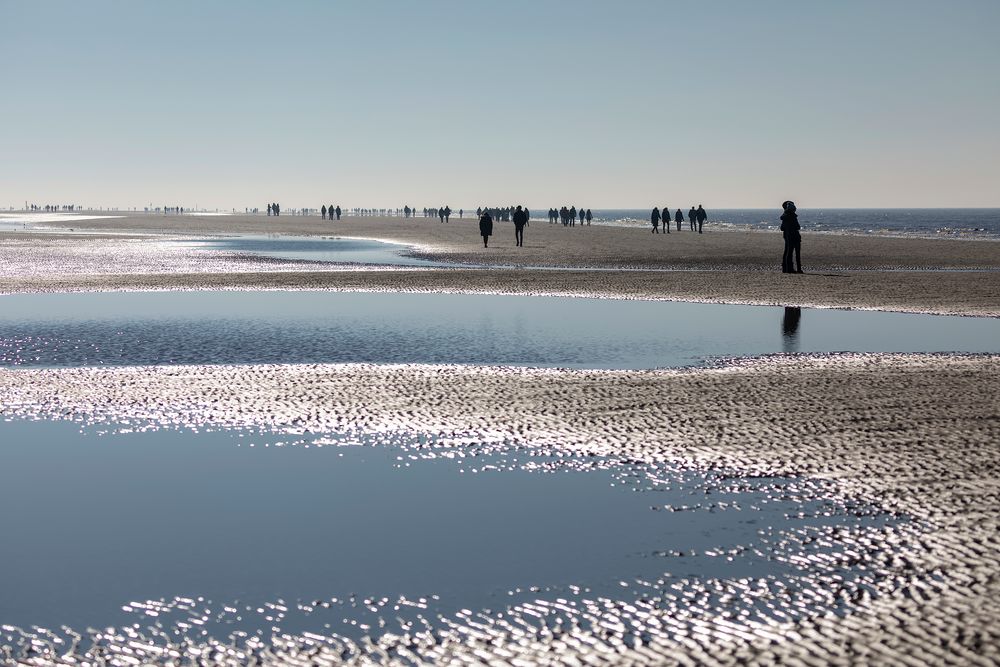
[[917, 434]]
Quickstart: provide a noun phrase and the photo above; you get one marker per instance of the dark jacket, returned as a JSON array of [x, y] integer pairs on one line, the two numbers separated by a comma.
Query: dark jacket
[[654, 217], [790, 224], [520, 218], [486, 224]]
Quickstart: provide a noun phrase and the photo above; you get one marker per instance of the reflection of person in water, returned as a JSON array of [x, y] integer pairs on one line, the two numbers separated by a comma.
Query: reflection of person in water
[[790, 328]]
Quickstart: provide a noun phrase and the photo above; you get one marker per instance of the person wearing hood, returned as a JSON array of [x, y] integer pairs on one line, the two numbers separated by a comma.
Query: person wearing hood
[[654, 218], [793, 239]]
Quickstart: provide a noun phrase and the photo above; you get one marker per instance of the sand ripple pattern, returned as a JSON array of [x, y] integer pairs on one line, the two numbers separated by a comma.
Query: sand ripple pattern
[[915, 434]]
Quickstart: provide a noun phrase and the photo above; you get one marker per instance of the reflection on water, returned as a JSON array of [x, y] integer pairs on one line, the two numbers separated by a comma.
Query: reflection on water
[[138, 526], [321, 327], [790, 329]]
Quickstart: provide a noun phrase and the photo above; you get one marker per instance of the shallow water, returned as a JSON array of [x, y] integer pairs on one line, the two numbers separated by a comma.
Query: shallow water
[[248, 532], [136, 328], [336, 250]]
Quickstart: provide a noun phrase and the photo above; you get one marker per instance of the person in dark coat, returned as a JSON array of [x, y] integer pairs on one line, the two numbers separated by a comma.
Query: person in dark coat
[[702, 217], [323, 211], [654, 218], [693, 219], [679, 217], [338, 213], [520, 220], [666, 219], [486, 227], [793, 239]]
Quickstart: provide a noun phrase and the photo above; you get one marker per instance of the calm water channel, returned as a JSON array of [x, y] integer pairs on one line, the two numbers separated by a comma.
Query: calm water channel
[[122, 328]]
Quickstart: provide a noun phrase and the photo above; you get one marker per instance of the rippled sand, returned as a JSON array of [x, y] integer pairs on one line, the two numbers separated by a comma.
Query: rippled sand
[[874, 423], [915, 434]]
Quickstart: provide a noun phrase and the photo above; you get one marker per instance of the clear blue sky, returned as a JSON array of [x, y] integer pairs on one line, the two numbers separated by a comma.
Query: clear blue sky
[[234, 103]]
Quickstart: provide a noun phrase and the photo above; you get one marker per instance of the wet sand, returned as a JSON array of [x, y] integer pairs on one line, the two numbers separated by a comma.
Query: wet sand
[[918, 434], [906, 274]]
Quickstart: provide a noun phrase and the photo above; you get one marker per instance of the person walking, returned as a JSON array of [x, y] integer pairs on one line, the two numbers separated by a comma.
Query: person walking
[[679, 218], [520, 221], [693, 219], [654, 218], [793, 239], [486, 227], [323, 211], [590, 216], [338, 212], [702, 217], [666, 219]]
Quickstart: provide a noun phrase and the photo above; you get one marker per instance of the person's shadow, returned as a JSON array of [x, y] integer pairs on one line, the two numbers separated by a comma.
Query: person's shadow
[[790, 329]]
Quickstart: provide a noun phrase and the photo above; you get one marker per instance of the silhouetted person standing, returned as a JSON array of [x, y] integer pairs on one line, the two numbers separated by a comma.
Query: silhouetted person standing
[[520, 220], [693, 219], [590, 216], [486, 227], [793, 239], [654, 218], [702, 217], [323, 211], [269, 209], [679, 218], [338, 213], [666, 219]]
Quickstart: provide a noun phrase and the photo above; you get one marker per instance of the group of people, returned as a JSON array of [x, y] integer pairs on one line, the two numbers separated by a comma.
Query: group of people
[[519, 215], [273, 209], [568, 216], [696, 219], [331, 210]]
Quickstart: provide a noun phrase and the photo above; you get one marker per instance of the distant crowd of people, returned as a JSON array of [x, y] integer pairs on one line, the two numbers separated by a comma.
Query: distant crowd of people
[[696, 219], [50, 208], [568, 216]]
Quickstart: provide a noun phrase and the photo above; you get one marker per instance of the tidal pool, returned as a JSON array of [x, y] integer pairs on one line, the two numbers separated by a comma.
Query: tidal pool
[[220, 533], [314, 249], [146, 328]]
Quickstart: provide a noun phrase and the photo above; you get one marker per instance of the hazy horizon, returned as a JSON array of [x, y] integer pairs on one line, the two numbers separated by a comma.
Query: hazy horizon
[[730, 104]]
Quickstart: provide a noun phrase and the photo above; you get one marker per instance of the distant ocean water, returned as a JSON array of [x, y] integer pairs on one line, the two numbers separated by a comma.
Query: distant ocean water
[[923, 222]]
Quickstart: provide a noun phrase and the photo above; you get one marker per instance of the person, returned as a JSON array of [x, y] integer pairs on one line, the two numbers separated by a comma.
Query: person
[[693, 219], [323, 211], [702, 217], [654, 218], [520, 220], [572, 216], [486, 227], [269, 209], [461, 213], [590, 216], [581, 217], [666, 219], [441, 214], [679, 218], [338, 213], [447, 213], [793, 239]]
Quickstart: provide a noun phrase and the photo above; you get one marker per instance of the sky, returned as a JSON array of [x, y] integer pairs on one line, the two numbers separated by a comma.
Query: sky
[[617, 104]]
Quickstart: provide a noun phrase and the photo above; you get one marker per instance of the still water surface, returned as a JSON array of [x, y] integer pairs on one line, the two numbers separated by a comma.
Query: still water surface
[[126, 328], [111, 529]]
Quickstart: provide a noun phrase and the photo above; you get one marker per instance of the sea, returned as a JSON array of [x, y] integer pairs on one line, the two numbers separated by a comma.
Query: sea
[[979, 223]]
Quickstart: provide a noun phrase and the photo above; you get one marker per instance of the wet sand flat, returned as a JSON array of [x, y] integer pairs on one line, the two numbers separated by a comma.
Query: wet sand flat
[[915, 433], [906, 274]]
